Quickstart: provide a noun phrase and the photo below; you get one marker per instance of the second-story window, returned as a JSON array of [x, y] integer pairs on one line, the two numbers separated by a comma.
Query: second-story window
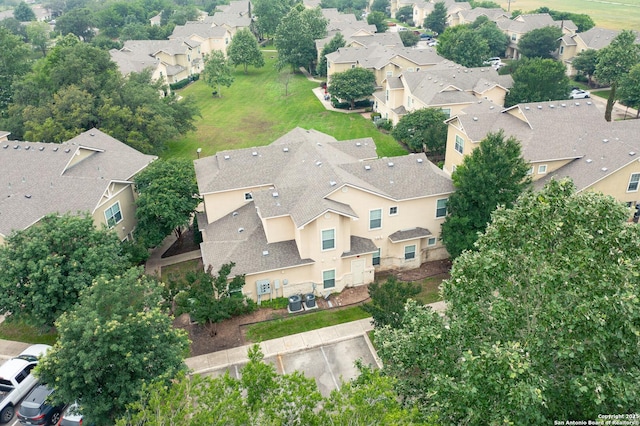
[[441, 207], [328, 239], [375, 219]]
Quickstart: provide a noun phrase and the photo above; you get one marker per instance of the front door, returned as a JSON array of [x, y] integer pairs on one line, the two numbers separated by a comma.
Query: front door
[[357, 271]]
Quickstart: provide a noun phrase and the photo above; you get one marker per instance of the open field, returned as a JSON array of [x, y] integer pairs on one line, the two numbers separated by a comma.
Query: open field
[[613, 14], [255, 111]]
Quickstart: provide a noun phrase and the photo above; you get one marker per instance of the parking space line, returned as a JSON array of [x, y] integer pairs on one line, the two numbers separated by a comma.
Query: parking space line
[[326, 361]]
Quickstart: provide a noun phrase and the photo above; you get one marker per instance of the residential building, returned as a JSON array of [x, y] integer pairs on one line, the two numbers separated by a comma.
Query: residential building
[[208, 38], [522, 24], [385, 62], [92, 172], [233, 17], [310, 214], [559, 139], [468, 16], [448, 86], [422, 9]]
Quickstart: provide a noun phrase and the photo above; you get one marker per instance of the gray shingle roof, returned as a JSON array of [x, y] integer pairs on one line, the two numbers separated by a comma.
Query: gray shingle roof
[[197, 28], [38, 177], [377, 56], [360, 246], [527, 22], [409, 234]]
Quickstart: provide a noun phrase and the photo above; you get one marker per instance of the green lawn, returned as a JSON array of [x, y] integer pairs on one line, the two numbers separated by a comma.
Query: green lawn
[[616, 15], [431, 289], [17, 330], [254, 111]]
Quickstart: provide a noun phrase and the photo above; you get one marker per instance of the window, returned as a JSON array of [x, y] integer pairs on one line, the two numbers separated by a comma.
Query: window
[[393, 210], [409, 101], [441, 207], [530, 171], [376, 258], [387, 95], [561, 50], [410, 252], [446, 111], [113, 215], [514, 37], [542, 169], [459, 144], [248, 196], [329, 278], [375, 219], [431, 242], [389, 73], [353, 66], [328, 239], [633, 182]]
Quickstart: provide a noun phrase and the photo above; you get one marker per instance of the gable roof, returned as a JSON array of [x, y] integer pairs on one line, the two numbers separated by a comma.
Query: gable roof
[[377, 56], [197, 28], [138, 55], [572, 130], [597, 38], [524, 23], [494, 14], [42, 178]]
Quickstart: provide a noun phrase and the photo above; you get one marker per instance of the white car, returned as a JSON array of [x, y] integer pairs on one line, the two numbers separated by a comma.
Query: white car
[[579, 94], [432, 43], [492, 61]]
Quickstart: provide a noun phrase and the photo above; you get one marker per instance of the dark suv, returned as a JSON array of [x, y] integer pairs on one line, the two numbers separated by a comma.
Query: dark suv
[[37, 410]]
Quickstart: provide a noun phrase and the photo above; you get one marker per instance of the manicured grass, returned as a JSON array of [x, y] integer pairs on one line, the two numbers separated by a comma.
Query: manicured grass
[[604, 93], [431, 289], [300, 323], [179, 270], [17, 330], [257, 109], [616, 15]]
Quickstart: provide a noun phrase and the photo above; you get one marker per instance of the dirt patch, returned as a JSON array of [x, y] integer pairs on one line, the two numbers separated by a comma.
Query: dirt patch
[[184, 244], [229, 334]]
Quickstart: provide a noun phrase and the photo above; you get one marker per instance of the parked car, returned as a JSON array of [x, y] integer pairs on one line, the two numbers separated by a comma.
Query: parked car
[[579, 94], [71, 416], [37, 409], [426, 37], [16, 379], [492, 61], [432, 43]]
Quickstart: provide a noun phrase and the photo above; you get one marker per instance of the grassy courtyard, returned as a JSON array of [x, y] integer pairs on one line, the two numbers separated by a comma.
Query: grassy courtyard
[[257, 109]]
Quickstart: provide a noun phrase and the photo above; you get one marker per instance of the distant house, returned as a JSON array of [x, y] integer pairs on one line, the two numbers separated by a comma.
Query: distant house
[[310, 214], [559, 139], [92, 173], [385, 62], [233, 17], [156, 20], [207, 37], [422, 9], [595, 38], [169, 60], [468, 16], [447, 86], [522, 24]]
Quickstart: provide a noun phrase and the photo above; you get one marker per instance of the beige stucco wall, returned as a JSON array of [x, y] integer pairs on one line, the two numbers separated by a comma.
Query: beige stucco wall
[[617, 183], [279, 229], [125, 195], [551, 167], [80, 155], [219, 204], [309, 238], [452, 157]]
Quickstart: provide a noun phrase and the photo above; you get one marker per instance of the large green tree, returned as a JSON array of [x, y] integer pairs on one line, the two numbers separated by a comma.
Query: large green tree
[[536, 80], [409, 38], [463, 45], [378, 19], [244, 50], [167, 198], [388, 300], [77, 21], [585, 62], [352, 85], [46, 266], [334, 44], [540, 42], [38, 35], [218, 71], [614, 62], [23, 12], [629, 89], [269, 13], [381, 6], [541, 323], [295, 37], [493, 175], [405, 14], [14, 63], [495, 38], [437, 19], [423, 128], [114, 341]]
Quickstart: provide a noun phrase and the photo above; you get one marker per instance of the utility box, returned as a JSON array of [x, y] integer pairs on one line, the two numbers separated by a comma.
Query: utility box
[[310, 300], [295, 303]]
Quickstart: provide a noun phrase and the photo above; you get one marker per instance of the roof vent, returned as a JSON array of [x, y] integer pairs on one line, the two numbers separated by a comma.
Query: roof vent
[[68, 150], [55, 149], [285, 149], [632, 153], [27, 148], [539, 106], [527, 108], [265, 252], [475, 118], [41, 148], [275, 194], [254, 153], [27, 195], [390, 164], [240, 230], [332, 182], [319, 144], [367, 167], [552, 106], [5, 146], [588, 102], [491, 107], [605, 140], [419, 160], [16, 146], [589, 160], [234, 214], [92, 134], [358, 144], [577, 103], [604, 169], [318, 163], [226, 157], [563, 105]]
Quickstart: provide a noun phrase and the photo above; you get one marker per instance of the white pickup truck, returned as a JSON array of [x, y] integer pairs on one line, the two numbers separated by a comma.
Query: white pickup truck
[[16, 379]]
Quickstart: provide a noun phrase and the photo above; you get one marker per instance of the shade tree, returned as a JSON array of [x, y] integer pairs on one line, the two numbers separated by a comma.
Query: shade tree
[[423, 129], [378, 19], [244, 50], [585, 62], [295, 38], [23, 13], [629, 89], [436, 20], [352, 85], [269, 13], [536, 80], [540, 42], [463, 45], [14, 63], [218, 71]]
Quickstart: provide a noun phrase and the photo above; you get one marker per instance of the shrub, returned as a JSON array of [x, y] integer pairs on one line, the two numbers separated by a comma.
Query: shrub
[[375, 115], [277, 303], [384, 124]]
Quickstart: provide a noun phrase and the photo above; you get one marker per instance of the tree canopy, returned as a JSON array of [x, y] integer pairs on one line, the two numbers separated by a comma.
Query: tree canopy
[[423, 128], [437, 19], [46, 266], [114, 341], [269, 13], [388, 300], [167, 198], [352, 85], [541, 320], [378, 19], [409, 38], [23, 13], [493, 175], [585, 62], [536, 80], [79, 22], [495, 38], [244, 50], [218, 71], [463, 45], [540, 42], [381, 6], [614, 62], [14, 63], [296, 35], [629, 89], [582, 21], [405, 14]]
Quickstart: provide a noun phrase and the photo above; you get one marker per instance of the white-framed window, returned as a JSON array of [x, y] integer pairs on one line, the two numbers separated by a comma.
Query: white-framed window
[[329, 278], [375, 219], [530, 171], [248, 196], [633, 182], [432, 241], [376, 258], [393, 210], [514, 37], [389, 73], [410, 252], [446, 111], [410, 69], [441, 207], [542, 169], [459, 146], [328, 239], [113, 215]]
